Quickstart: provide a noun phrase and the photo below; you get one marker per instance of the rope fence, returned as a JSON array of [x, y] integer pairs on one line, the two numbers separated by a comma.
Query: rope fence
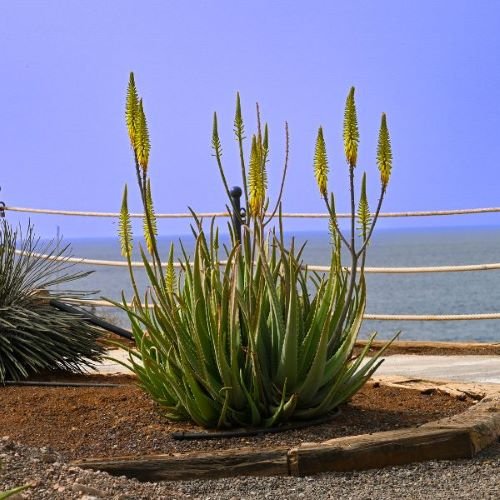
[[376, 317], [374, 270], [371, 270], [77, 213], [432, 317]]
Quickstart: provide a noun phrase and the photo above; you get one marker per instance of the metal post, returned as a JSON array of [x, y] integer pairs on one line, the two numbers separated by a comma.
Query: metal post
[[2, 212], [91, 318], [2, 207], [238, 213]]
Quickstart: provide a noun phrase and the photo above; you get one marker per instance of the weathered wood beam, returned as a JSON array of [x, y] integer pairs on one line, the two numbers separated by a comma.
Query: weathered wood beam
[[266, 462], [381, 449]]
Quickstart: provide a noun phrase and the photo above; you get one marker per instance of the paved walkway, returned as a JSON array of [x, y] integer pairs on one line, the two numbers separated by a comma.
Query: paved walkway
[[477, 369]]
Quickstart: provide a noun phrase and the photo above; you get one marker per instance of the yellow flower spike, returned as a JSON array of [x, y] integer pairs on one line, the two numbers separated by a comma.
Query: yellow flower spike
[[170, 275], [265, 141], [351, 132], [256, 180], [265, 159], [131, 109], [142, 144], [125, 227], [216, 145], [321, 163], [364, 215], [384, 152], [150, 233], [239, 128]]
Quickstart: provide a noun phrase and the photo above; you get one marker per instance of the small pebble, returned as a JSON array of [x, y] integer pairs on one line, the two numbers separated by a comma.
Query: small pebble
[[88, 490]]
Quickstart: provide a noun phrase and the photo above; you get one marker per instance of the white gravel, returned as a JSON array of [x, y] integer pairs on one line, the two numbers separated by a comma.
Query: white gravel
[[478, 478]]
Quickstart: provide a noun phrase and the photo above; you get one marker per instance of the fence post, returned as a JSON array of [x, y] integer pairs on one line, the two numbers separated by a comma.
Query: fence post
[[237, 213], [2, 207]]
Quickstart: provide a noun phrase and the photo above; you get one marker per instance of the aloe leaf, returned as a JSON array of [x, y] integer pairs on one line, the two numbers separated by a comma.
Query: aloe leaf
[[341, 356], [278, 410], [315, 375], [275, 303], [255, 416], [289, 352], [13, 491]]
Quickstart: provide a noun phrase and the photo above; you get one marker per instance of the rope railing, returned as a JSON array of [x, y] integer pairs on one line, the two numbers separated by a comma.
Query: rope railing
[[376, 317], [371, 270], [374, 270], [188, 215], [432, 317], [77, 213]]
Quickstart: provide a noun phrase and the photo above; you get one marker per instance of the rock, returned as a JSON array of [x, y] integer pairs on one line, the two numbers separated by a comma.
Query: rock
[[87, 490], [48, 456]]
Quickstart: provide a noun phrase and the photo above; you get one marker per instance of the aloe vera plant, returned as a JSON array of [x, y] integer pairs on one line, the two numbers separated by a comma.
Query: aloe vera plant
[[244, 334]]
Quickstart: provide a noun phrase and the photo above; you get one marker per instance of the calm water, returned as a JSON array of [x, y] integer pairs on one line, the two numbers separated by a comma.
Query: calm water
[[438, 293]]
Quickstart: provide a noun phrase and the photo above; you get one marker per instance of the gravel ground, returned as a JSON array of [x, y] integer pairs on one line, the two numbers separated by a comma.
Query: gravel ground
[[51, 479]]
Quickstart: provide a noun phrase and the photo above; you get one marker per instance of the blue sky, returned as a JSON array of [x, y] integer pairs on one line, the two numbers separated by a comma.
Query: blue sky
[[432, 66]]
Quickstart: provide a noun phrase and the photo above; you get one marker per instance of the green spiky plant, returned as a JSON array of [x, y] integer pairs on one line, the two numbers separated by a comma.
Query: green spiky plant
[[10, 493], [238, 338], [13, 491], [33, 335]]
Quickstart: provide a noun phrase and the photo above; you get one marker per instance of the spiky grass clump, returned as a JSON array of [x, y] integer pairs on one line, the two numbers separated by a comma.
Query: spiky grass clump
[[34, 336]]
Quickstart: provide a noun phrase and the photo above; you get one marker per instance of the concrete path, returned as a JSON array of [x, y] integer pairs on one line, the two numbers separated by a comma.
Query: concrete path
[[477, 369]]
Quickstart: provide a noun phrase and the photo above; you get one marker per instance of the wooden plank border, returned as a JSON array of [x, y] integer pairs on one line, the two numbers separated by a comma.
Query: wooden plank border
[[461, 436], [381, 449], [244, 462]]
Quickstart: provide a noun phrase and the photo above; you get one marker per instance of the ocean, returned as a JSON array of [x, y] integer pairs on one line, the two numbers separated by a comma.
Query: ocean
[[436, 293]]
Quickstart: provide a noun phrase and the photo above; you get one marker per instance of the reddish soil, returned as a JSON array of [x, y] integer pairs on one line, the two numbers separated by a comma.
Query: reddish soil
[[434, 348], [85, 422]]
